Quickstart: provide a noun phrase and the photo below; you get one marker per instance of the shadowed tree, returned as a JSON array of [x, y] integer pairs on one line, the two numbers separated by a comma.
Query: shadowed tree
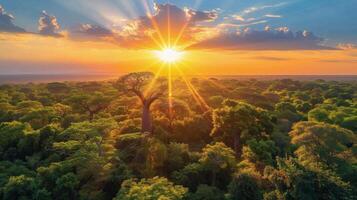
[[240, 122], [217, 157], [134, 83]]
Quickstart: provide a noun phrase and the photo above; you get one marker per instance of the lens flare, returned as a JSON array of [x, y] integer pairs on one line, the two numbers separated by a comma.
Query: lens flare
[[169, 55]]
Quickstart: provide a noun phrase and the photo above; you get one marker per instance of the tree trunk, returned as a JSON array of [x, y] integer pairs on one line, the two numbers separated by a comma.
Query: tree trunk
[[91, 116], [237, 146], [214, 177], [146, 119]]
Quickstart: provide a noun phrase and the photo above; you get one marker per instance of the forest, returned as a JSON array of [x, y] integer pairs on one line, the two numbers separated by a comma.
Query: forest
[[206, 139]]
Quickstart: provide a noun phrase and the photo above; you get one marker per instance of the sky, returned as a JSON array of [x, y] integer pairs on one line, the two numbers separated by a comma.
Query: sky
[[225, 37]]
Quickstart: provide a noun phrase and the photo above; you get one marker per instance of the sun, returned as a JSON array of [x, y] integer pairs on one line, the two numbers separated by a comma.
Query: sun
[[169, 55]]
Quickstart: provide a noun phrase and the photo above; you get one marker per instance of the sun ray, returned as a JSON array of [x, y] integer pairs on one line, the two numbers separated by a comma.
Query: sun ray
[[194, 89], [179, 36], [199, 99], [155, 26], [170, 90], [219, 85], [152, 83], [157, 29], [168, 25]]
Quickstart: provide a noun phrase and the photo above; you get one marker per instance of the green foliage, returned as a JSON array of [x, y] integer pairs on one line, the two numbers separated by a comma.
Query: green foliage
[[67, 186], [216, 101], [193, 130], [150, 189], [325, 146], [217, 156], [319, 115], [245, 187], [339, 115], [22, 187], [178, 156], [260, 152], [240, 123], [293, 181], [82, 140], [191, 176], [205, 192], [130, 146]]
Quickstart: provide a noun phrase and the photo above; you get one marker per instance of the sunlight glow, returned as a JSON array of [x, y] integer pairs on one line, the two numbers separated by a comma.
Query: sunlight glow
[[169, 55]]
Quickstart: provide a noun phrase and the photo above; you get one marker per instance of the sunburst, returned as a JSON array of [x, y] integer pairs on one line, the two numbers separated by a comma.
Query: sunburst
[[169, 55]]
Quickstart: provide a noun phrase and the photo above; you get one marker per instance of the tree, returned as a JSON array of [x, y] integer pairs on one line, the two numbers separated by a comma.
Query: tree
[[260, 152], [205, 192], [67, 187], [178, 156], [92, 104], [57, 88], [291, 180], [350, 123], [215, 101], [134, 83], [322, 142], [319, 115], [286, 110], [26, 107], [6, 112], [239, 123], [326, 146], [193, 175], [10, 135], [216, 158], [150, 189], [22, 187], [244, 187], [39, 118]]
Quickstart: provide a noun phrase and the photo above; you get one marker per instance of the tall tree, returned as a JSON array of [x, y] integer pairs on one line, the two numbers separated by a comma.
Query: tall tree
[[134, 83]]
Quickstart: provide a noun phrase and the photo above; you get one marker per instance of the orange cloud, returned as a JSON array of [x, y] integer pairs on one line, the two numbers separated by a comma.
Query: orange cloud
[[168, 25]]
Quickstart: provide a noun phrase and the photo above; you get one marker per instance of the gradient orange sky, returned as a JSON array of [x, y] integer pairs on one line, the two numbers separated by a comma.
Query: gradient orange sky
[[59, 55]]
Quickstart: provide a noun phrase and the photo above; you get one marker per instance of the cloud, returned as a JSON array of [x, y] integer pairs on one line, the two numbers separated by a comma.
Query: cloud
[[273, 16], [198, 30], [346, 46], [339, 61], [48, 25], [238, 18], [90, 30], [167, 24], [6, 22], [269, 39], [201, 16], [172, 21], [260, 8]]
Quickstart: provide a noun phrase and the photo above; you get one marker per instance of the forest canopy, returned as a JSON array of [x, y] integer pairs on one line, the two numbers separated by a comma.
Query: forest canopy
[[226, 139]]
